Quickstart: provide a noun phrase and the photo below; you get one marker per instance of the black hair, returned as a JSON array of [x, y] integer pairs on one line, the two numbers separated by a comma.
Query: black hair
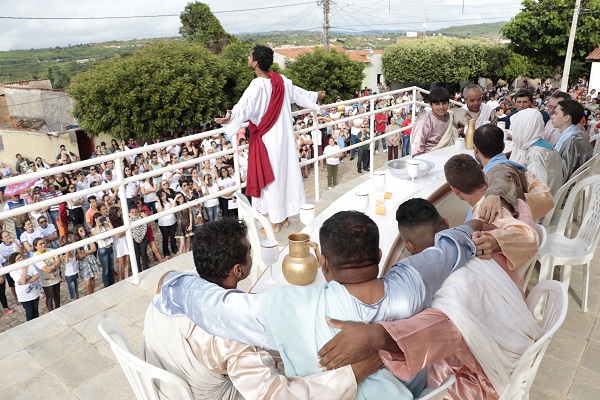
[[263, 55], [13, 257], [349, 237], [572, 108], [417, 213], [439, 95], [217, 247], [524, 93], [489, 140], [464, 173], [560, 95]]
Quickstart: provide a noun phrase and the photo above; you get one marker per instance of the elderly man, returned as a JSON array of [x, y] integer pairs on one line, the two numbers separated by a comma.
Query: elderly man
[[574, 148], [435, 129], [473, 109], [552, 133]]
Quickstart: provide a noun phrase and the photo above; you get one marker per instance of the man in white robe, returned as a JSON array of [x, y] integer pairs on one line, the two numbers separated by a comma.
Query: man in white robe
[[473, 109], [217, 368], [283, 196]]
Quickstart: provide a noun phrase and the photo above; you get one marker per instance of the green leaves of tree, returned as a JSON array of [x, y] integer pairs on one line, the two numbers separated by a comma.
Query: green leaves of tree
[[199, 25], [330, 71], [155, 90]]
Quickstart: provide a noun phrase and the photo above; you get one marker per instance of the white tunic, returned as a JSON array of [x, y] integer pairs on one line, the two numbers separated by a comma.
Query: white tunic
[[284, 196]]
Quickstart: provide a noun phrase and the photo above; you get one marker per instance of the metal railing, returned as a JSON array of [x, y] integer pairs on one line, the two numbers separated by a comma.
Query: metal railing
[[122, 181]]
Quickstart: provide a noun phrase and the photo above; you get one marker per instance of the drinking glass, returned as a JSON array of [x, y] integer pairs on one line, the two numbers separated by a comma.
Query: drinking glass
[[412, 168], [269, 254], [307, 213]]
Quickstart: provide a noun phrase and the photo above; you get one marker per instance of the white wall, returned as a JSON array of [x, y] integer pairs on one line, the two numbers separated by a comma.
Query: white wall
[[595, 76]]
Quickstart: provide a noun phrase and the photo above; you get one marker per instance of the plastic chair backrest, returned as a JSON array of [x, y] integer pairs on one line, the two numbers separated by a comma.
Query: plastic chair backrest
[[553, 317], [559, 197], [440, 392], [526, 270], [595, 142], [255, 221], [144, 378], [590, 225]]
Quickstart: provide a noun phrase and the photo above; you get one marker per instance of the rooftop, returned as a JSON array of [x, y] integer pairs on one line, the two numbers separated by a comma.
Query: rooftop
[[355, 55]]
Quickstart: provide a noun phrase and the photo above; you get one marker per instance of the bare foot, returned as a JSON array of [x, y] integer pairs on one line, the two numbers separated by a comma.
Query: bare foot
[[276, 228], [286, 223]]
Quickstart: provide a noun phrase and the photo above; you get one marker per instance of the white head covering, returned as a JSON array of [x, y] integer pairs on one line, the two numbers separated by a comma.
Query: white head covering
[[527, 127]]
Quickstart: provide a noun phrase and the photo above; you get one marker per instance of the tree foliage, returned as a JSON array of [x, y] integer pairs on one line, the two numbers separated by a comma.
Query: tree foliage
[[541, 31], [331, 71], [157, 89], [199, 25], [238, 75]]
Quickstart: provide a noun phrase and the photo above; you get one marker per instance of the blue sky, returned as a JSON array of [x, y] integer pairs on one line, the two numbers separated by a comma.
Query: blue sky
[[350, 15]]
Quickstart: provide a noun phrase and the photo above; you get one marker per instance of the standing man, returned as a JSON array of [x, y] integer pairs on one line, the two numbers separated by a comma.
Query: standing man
[[473, 109], [573, 147], [381, 121], [274, 176], [406, 135], [523, 101]]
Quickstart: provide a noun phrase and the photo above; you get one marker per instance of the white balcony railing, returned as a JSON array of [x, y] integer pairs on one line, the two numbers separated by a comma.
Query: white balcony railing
[[122, 181]]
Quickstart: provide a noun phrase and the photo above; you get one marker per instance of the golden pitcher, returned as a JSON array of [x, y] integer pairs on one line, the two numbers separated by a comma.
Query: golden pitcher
[[469, 132], [299, 266]]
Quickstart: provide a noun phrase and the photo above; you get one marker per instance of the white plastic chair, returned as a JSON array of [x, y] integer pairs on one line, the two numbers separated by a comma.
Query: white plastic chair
[[527, 268], [440, 392], [553, 317], [551, 219], [255, 221], [143, 377], [565, 252], [595, 142]]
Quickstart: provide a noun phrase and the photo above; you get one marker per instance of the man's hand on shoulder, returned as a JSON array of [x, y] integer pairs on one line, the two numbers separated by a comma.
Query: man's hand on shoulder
[[485, 245], [490, 208]]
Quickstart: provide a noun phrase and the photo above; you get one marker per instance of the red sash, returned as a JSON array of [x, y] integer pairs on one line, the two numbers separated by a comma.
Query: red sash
[[260, 173]]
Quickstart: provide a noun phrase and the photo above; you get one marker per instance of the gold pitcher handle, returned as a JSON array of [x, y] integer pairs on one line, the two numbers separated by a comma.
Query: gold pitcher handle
[[315, 247]]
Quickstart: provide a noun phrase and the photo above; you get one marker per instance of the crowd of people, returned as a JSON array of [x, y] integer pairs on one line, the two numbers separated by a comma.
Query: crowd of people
[[52, 227]]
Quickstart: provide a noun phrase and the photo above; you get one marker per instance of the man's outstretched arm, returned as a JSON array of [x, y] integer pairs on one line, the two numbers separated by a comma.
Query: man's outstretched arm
[[231, 314]]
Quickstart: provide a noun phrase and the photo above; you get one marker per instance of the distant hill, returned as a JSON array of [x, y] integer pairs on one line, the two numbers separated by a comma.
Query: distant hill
[[472, 31]]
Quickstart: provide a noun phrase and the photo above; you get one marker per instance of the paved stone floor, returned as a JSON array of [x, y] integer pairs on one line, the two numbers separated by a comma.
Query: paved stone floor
[[61, 355]]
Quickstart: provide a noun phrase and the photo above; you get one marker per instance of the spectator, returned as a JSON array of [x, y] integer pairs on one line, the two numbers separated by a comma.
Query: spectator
[[406, 135], [120, 248], [131, 188], [75, 207], [140, 242], [28, 287], [363, 151], [185, 227], [381, 121], [71, 273], [224, 182], [101, 224], [48, 231], [29, 235], [3, 299], [210, 206], [167, 224], [394, 139], [145, 211], [22, 164], [333, 162], [86, 259], [20, 219], [49, 274]]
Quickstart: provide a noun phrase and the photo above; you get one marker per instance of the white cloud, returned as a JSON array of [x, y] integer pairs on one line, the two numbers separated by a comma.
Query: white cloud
[[345, 15]]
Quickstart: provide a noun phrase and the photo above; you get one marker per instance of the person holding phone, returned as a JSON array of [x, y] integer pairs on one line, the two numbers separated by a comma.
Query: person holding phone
[[99, 225]]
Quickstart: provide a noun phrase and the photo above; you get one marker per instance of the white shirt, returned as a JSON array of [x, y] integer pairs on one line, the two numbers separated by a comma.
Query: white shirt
[[331, 149], [48, 231], [29, 291], [30, 237], [167, 220], [151, 196]]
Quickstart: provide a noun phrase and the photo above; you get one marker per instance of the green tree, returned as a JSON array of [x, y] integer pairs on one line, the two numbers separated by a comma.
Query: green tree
[[541, 31], [238, 75], [330, 71], [157, 89], [199, 25]]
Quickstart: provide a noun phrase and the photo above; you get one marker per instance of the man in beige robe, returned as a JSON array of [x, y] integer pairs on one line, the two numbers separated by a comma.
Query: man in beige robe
[[473, 109], [217, 368]]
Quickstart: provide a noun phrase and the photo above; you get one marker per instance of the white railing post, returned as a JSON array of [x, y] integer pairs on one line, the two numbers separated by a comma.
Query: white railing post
[[373, 134], [236, 163], [125, 215], [316, 155], [414, 104]]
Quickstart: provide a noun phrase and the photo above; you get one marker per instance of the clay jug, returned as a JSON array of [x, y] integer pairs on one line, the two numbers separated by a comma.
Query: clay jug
[[299, 266], [469, 135]]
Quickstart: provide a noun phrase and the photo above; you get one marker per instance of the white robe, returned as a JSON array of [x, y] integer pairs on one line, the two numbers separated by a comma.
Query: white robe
[[284, 196]]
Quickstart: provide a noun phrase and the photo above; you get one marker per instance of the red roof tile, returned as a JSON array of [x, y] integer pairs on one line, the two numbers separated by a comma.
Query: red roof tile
[[355, 55], [594, 55]]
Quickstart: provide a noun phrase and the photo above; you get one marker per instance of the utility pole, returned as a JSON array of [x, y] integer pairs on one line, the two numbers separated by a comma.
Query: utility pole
[[565, 78], [326, 25], [425, 25]]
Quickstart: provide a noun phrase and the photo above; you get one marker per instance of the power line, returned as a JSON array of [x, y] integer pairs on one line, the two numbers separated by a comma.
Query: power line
[[151, 16]]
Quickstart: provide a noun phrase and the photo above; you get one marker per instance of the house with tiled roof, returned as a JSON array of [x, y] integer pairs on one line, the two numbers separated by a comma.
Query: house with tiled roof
[[594, 59], [370, 58]]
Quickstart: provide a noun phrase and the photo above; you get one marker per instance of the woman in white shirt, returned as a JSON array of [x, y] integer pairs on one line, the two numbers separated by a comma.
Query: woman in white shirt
[[102, 224], [29, 235], [71, 273], [148, 189], [333, 162], [210, 206], [224, 182], [75, 206], [28, 287], [49, 274], [167, 224], [131, 188], [120, 248]]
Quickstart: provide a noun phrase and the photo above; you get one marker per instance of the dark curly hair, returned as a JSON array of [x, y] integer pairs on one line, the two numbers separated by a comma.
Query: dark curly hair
[[417, 213], [217, 248], [263, 55]]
